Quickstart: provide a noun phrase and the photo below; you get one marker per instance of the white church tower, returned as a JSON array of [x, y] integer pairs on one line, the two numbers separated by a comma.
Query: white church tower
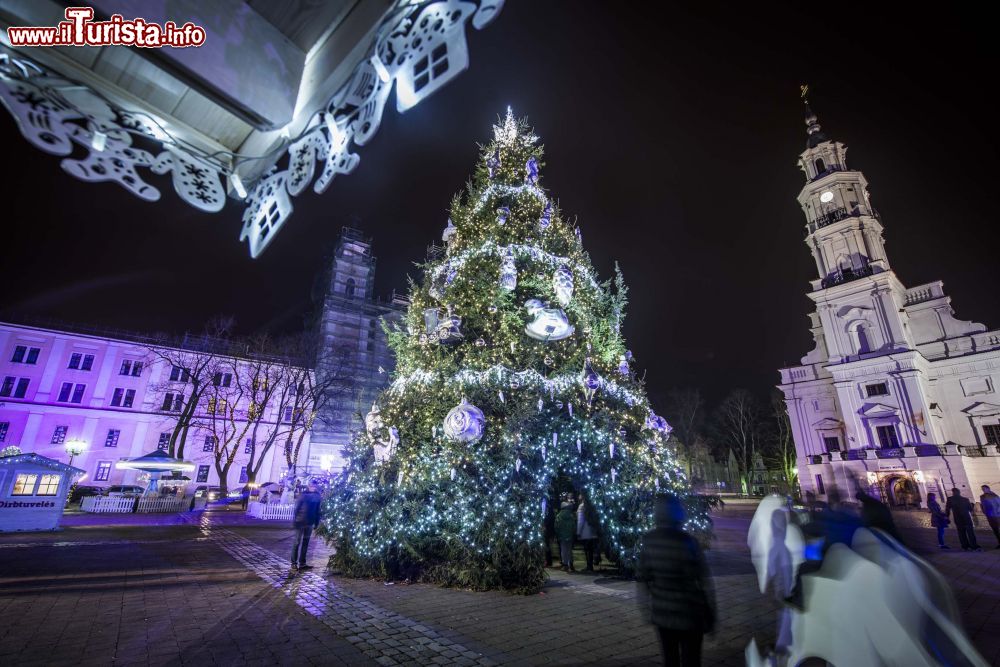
[[898, 396]]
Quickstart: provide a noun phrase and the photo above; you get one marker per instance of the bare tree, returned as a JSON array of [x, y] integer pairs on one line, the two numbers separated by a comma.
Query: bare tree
[[222, 417], [737, 425], [780, 440], [191, 363], [685, 410]]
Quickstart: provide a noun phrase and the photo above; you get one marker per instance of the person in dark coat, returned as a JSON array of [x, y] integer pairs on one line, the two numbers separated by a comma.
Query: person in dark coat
[[961, 513], [305, 519], [674, 586], [245, 495], [565, 530], [875, 514], [939, 519], [989, 503]]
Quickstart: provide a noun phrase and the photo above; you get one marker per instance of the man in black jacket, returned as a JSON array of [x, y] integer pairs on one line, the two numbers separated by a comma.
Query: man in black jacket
[[675, 588], [961, 510], [305, 520]]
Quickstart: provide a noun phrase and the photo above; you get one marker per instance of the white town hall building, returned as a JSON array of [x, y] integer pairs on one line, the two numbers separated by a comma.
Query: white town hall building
[[898, 395]]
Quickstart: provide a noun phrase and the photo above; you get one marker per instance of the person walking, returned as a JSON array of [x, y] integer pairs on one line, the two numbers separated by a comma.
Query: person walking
[[306, 518], [565, 528], [989, 502], [961, 511], [674, 586], [874, 514], [585, 532], [939, 519], [245, 496]]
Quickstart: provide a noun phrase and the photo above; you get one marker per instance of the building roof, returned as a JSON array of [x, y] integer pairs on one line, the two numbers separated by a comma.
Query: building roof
[[38, 459]]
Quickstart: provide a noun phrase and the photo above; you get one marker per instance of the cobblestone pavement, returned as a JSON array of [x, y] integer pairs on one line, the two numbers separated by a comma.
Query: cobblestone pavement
[[219, 591]]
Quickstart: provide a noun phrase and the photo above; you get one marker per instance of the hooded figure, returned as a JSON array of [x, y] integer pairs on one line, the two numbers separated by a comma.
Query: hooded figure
[[674, 586]]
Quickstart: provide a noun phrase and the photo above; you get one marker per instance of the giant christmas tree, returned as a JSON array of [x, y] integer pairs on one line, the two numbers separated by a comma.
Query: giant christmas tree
[[511, 373]]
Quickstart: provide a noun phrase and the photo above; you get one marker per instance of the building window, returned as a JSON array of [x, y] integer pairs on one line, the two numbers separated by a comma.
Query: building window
[[819, 485], [992, 432], [249, 446], [81, 362], [172, 402], [178, 374], [131, 367], [49, 486], [349, 288], [243, 475], [879, 389], [222, 379], [103, 471], [24, 484], [3, 431], [209, 445], [71, 393], [216, 405], [112, 439], [820, 167], [832, 443], [202, 474], [25, 355], [14, 386], [59, 435], [164, 441], [887, 438], [123, 398]]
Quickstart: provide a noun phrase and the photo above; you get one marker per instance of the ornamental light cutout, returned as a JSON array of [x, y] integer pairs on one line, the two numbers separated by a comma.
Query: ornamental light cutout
[[416, 46]]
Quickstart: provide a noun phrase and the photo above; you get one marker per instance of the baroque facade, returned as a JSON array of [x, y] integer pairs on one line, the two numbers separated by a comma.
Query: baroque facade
[[109, 393], [355, 362], [898, 395]]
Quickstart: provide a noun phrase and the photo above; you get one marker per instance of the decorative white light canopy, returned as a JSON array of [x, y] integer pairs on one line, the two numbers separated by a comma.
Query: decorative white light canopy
[[420, 46]]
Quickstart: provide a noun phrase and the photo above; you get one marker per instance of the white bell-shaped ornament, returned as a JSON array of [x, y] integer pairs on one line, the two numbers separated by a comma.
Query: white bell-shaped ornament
[[548, 323]]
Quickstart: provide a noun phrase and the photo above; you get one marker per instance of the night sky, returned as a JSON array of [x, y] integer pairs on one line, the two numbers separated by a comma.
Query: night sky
[[674, 140]]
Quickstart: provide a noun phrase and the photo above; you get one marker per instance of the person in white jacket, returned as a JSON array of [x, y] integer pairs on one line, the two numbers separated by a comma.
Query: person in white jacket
[[586, 534]]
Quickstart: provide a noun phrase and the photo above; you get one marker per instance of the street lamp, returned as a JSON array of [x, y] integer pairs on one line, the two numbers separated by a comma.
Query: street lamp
[[75, 448]]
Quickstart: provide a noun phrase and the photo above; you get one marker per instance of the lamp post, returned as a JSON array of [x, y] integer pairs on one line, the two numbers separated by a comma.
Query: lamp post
[[74, 448]]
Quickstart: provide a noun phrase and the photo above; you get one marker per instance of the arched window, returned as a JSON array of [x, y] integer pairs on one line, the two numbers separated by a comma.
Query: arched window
[[349, 289], [820, 167]]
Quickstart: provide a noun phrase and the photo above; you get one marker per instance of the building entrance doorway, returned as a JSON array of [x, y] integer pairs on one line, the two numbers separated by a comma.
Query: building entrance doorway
[[902, 492]]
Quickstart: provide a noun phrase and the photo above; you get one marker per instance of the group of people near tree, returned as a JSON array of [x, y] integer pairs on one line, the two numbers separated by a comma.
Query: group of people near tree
[[573, 523]]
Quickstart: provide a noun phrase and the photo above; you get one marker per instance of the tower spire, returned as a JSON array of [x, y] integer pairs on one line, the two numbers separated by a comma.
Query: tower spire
[[813, 129]]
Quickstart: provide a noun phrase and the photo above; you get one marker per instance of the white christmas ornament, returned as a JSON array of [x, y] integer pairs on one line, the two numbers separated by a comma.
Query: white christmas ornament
[[502, 399], [623, 365], [517, 465], [614, 475], [464, 423], [508, 273], [579, 446], [449, 231], [611, 450], [548, 324], [562, 283], [453, 474]]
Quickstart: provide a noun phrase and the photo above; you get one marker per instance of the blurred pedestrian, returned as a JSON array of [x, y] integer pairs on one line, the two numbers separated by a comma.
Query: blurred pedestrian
[[874, 514], [961, 511], [939, 519], [306, 518], [565, 529], [989, 502], [245, 495], [674, 586], [585, 532]]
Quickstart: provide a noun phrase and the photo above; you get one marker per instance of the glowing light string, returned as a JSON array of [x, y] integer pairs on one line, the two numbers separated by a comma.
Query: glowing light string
[[489, 248], [529, 378]]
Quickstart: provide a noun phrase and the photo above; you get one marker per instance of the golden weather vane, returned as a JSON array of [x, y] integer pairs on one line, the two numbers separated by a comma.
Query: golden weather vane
[[804, 91]]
